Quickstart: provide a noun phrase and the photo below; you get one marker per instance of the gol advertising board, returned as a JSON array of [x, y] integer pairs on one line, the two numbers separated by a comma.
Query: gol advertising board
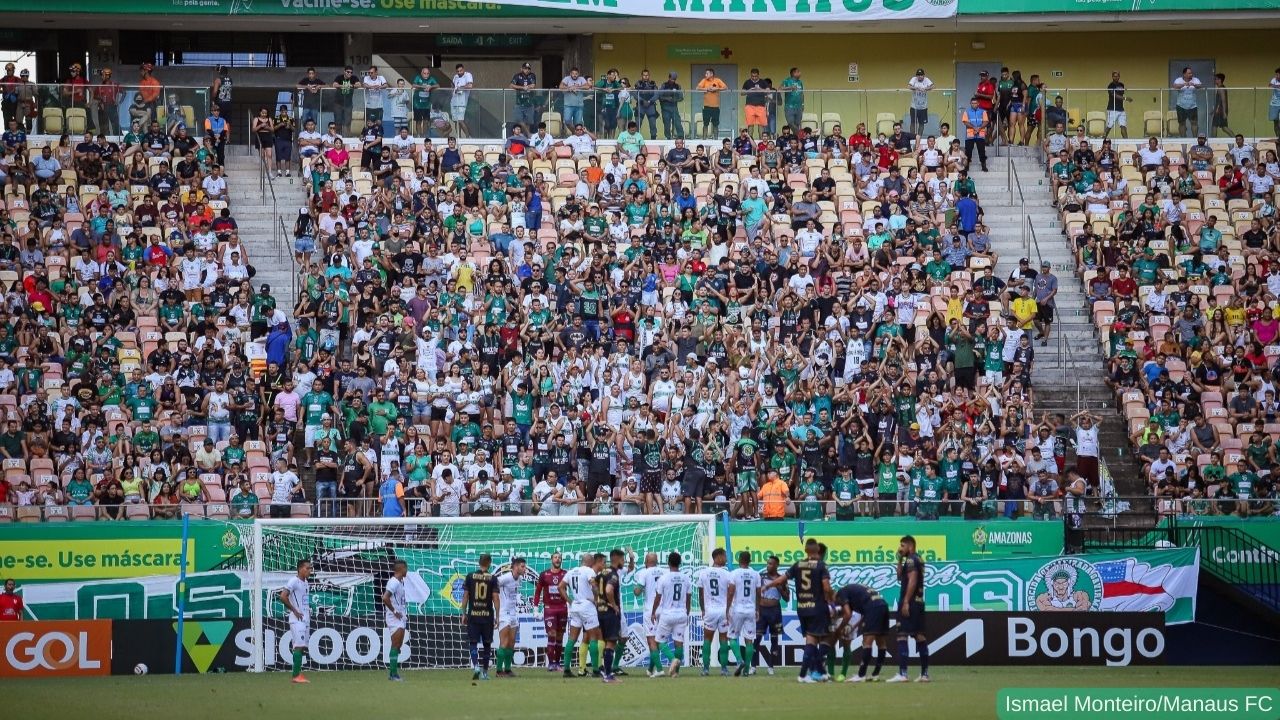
[[42, 649], [104, 550]]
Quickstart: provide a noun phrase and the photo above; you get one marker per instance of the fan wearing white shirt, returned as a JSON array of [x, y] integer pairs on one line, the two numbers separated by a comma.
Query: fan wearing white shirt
[[670, 611], [646, 584], [578, 586], [462, 84], [397, 616], [375, 87], [1187, 105]]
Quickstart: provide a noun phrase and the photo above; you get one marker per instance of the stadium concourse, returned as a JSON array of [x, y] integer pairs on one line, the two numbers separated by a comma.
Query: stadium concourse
[[802, 323]]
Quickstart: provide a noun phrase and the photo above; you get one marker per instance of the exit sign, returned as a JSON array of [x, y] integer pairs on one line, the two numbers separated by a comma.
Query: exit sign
[[491, 40]]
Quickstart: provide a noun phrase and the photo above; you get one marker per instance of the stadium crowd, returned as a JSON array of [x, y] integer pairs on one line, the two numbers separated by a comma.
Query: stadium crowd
[[1176, 244], [803, 324]]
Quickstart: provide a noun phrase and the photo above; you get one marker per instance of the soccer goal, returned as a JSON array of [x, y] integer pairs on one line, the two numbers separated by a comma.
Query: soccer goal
[[352, 559]]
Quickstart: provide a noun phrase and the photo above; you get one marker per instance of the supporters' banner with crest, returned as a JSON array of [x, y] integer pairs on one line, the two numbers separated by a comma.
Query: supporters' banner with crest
[[750, 10], [1156, 581]]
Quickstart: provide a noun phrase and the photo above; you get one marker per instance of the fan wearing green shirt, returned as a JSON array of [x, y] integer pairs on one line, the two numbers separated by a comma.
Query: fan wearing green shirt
[[630, 141], [793, 99], [316, 405], [423, 85], [382, 413], [1243, 482], [607, 89], [810, 495]]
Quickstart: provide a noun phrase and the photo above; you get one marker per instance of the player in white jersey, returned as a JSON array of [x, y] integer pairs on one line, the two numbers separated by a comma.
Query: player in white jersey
[[297, 600], [744, 587], [646, 584], [509, 619], [670, 611], [713, 596], [397, 615], [583, 620]]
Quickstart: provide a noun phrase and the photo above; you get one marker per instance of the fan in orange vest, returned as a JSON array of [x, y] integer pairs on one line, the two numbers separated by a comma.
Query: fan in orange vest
[[774, 498]]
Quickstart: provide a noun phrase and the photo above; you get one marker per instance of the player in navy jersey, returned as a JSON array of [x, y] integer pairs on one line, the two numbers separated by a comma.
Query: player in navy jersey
[[813, 606], [769, 618], [873, 619], [608, 610], [480, 605], [911, 609]]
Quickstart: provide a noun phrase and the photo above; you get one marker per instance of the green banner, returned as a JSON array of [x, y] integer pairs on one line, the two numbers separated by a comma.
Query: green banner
[[312, 8], [876, 541], [1004, 7], [1219, 551], [80, 551]]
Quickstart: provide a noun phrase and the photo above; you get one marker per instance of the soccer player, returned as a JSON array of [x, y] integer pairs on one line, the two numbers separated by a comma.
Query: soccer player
[[713, 595], [578, 587], [873, 616], [296, 599], [608, 611], [744, 591], [555, 612], [911, 609], [813, 607], [769, 614], [646, 583], [393, 599], [509, 620], [480, 604], [670, 611], [623, 562]]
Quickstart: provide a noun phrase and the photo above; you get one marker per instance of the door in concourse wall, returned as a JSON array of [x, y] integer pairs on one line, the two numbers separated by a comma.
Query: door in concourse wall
[[730, 101]]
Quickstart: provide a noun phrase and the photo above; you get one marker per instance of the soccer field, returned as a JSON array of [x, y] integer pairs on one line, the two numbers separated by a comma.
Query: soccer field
[[956, 693]]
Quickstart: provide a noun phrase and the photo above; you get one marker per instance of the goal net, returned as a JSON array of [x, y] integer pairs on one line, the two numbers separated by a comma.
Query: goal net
[[353, 559]]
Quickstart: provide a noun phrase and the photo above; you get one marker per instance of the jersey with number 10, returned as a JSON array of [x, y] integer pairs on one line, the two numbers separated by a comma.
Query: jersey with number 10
[[481, 587]]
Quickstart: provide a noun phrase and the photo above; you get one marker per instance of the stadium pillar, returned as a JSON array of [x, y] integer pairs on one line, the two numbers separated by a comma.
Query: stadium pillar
[[357, 51]]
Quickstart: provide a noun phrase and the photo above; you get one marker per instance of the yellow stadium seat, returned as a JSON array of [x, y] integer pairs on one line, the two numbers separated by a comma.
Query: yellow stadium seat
[[51, 121], [76, 121], [829, 121], [1151, 122], [809, 120], [1096, 123], [884, 123]]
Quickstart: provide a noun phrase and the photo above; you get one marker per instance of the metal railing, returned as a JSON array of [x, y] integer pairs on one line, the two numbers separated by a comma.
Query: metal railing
[[1229, 553], [109, 108], [685, 113], [1168, 112]]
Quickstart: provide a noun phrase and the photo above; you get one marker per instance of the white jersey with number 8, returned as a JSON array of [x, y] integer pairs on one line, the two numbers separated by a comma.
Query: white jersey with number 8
[[673, 610]]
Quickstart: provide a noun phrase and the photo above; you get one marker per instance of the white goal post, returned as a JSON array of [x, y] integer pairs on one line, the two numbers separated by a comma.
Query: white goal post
[[352, 558]]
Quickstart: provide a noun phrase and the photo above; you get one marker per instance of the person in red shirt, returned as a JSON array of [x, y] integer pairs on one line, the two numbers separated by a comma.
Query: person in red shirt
[[886, 156], [555, 612], [10, 602], [859, 138], [624, 323], [986, 91], [1231, 183], [1124, 287]]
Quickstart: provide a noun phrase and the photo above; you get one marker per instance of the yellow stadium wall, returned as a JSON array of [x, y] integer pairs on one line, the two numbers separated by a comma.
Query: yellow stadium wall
[[1085, 60]]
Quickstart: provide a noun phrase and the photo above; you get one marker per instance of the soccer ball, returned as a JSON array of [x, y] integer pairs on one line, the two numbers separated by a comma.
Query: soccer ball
[[140, 669]]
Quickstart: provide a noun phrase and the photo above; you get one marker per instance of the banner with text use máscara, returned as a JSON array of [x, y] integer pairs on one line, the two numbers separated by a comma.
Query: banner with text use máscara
[[774, 10]]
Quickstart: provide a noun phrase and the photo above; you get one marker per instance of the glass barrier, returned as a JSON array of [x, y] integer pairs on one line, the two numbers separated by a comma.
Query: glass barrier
[[659, 113], [1168, 112], [57, 108]]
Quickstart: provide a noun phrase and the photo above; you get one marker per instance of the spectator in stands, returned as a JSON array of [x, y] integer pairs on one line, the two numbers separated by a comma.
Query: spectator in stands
[[1187, 104], [459, 101], [977, 124]]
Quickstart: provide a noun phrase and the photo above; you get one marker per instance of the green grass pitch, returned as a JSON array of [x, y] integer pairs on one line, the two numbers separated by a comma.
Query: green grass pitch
[[956, 693]]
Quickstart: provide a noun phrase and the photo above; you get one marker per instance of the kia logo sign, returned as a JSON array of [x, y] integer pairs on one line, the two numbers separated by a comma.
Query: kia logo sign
[[56, 648]]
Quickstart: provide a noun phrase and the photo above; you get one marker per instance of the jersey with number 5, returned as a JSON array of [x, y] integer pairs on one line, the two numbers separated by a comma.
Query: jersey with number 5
[[746, 585], [673, 592], [714, 583]]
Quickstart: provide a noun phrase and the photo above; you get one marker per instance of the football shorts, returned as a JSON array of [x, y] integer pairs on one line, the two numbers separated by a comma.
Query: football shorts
[[584, 617], [672, 625]]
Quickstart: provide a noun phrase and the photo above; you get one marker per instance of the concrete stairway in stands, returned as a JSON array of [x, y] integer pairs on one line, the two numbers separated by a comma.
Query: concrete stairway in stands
[[269, 246], [1069, 371]]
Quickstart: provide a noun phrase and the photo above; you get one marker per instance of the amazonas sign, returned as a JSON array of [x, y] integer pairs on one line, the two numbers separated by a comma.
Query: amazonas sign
[[808, 10]]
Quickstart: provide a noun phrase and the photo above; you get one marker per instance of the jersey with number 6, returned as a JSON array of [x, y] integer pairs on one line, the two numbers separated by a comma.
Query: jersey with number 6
[[746, 585], [673, 591], [714, 584]]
